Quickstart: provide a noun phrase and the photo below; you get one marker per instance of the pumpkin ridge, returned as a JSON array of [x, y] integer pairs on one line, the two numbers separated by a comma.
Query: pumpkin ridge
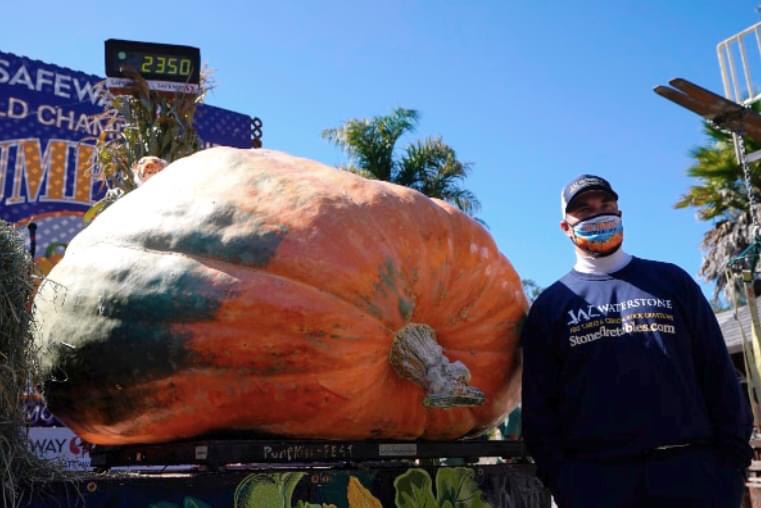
[[386, 239], [459, 329], [273, 373], [209, 261], [454, 326], [436, 210], [470, 350], [204, 260]]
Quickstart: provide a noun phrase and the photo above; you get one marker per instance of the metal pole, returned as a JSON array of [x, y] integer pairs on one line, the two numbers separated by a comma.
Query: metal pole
[[32, 226]]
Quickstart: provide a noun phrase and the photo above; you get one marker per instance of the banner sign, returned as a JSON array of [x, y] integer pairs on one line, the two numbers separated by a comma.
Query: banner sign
[[37, 414], [60, 444], [72, 453], [49, 122]]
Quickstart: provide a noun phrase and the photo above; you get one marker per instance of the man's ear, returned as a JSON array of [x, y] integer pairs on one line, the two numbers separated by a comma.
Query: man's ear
[[566, 229]]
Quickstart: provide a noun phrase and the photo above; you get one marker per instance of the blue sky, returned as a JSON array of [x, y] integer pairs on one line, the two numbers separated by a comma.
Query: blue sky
[[532, 93]]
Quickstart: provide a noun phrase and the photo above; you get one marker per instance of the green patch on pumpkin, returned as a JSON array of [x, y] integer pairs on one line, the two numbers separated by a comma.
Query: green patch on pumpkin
[[90, 376], [252, 249], [183, 297], [388, 274], [223, 232], [406, 307]]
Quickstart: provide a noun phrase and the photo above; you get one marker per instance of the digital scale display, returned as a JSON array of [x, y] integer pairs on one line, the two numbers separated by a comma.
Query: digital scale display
[[166, 67]]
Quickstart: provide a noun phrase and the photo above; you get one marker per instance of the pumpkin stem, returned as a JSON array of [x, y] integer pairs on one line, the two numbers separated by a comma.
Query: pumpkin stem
[[416, 355]]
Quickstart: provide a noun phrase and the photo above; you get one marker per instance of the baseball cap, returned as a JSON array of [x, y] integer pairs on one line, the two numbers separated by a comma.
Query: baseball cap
[[581, 184]]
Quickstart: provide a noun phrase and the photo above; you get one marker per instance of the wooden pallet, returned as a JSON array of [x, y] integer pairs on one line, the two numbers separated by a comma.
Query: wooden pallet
[[719, 110]]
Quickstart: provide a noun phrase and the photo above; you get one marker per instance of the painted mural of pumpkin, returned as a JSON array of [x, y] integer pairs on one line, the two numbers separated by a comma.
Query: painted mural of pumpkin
[[253, 290]]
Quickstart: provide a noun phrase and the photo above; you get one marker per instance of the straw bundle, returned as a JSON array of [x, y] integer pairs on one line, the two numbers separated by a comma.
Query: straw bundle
[[19, 467]]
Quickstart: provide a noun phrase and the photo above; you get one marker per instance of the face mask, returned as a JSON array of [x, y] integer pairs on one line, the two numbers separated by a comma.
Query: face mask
[[599, 235]]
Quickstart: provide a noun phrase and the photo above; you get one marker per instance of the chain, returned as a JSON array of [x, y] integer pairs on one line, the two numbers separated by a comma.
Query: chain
[[745, 262], [748, 185]]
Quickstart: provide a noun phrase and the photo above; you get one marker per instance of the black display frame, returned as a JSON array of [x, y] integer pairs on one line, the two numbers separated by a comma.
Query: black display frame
[[114, 64]]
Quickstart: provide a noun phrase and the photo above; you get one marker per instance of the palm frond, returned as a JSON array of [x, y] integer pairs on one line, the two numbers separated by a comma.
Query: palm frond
[[429, 166], [433, 168], [721, 196], [370, 143]]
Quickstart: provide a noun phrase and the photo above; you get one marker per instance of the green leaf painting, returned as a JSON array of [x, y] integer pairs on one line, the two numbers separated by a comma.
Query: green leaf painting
[[455, 488], [414, 489], [267, 490]]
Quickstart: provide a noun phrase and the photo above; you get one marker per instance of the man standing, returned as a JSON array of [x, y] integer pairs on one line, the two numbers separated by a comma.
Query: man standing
[[630, 398]]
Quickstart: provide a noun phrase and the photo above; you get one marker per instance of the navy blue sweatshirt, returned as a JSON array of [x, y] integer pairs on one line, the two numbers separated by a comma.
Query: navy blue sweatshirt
[[617, 365]]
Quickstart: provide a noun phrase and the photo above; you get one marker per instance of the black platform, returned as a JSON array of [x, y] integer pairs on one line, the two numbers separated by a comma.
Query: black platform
[[221, 452]]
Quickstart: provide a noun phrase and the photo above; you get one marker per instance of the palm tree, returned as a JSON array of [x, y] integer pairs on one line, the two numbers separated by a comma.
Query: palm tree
[[429, 166], [722, 198], [531, 289]]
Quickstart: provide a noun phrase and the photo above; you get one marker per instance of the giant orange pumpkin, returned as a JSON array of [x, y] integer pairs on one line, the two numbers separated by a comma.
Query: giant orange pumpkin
[[253, 290]]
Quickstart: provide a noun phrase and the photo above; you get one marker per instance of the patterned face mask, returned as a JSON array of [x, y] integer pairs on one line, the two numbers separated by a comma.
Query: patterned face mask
[[600, 235]]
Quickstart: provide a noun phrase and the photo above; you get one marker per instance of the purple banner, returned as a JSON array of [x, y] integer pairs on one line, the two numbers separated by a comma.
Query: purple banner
[[48, 127]]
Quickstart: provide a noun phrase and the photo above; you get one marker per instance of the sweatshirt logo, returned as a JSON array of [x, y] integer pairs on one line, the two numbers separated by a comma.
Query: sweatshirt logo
[[583, 314], [637, 315]]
